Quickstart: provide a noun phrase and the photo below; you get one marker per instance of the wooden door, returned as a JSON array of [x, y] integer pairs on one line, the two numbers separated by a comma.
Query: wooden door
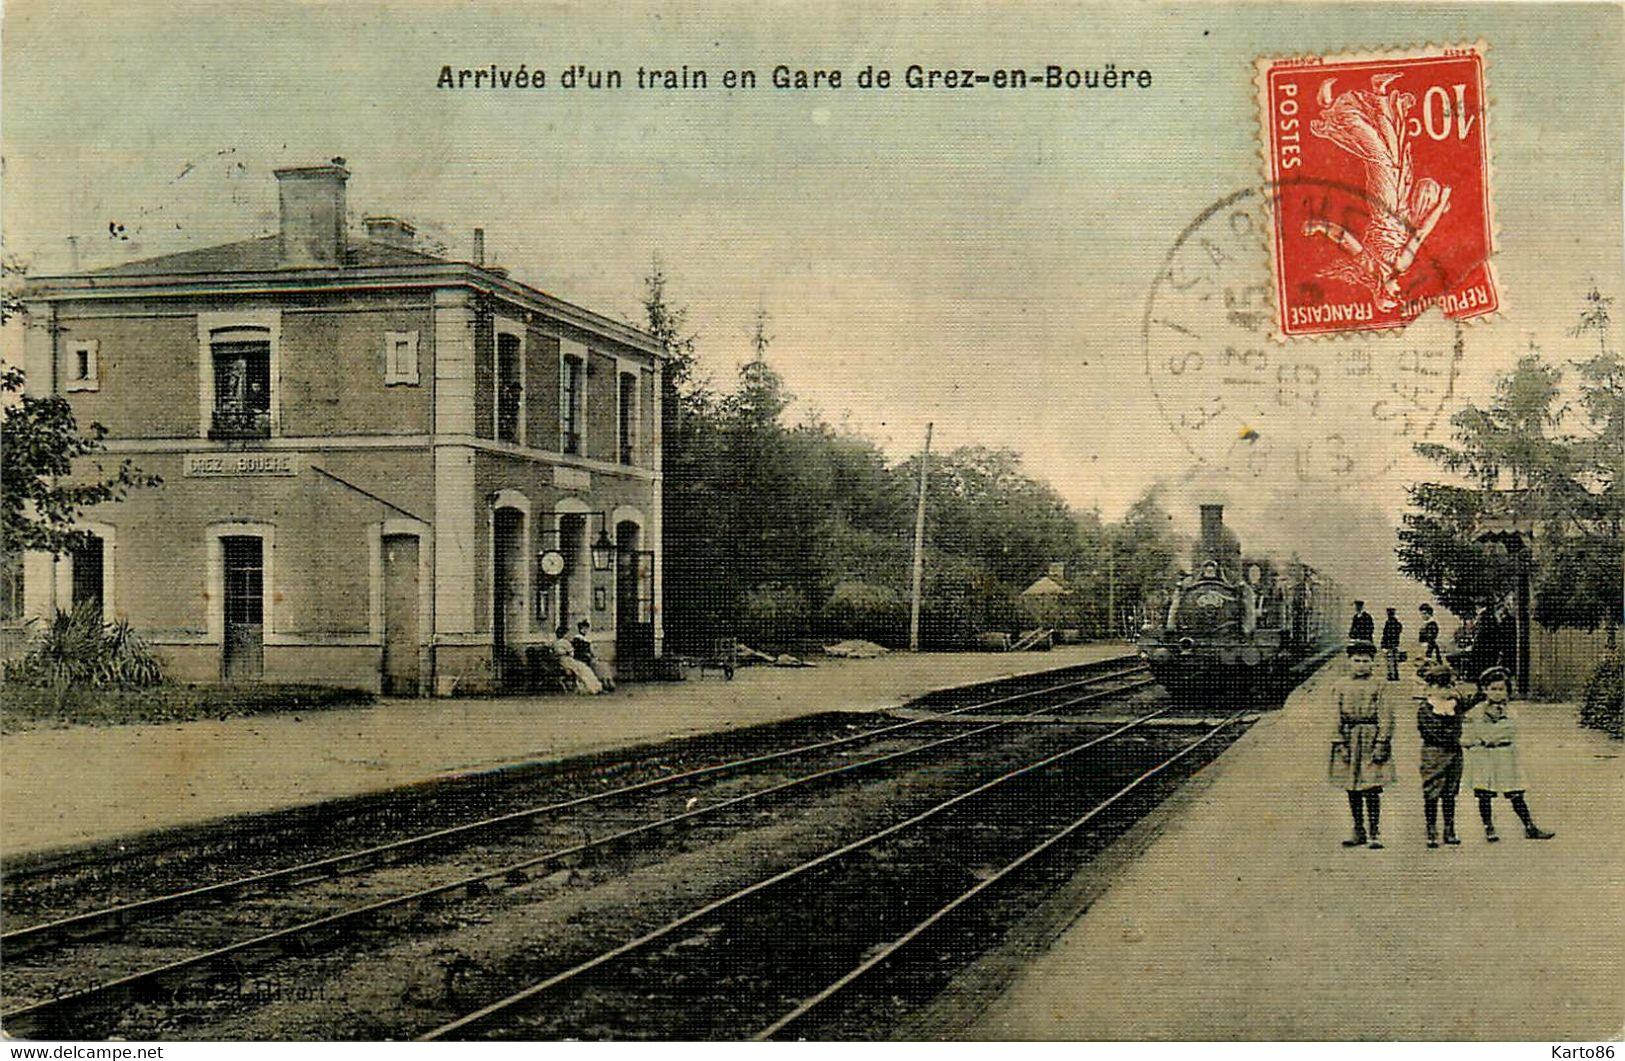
[[507, 592], [634, 609], [401, 632]]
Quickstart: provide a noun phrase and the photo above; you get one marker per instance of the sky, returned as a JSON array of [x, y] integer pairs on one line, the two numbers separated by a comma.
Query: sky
[[981, 260]]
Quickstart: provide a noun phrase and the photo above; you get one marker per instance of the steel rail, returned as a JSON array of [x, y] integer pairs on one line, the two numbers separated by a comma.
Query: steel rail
[[60, 931], [521, 997], [299, 938], [885, 953]]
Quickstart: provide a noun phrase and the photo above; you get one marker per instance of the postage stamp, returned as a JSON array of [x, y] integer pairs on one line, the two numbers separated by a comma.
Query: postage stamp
[[1382, 200]]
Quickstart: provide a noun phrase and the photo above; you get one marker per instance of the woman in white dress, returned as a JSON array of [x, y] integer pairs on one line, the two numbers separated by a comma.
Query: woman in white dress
[[586, 682]]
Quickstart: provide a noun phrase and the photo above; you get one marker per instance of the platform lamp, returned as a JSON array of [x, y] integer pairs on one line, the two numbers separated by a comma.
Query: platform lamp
[[602, 549]]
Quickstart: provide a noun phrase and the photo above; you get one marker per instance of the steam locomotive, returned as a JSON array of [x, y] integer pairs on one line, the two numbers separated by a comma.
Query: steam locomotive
[[1239, 625]]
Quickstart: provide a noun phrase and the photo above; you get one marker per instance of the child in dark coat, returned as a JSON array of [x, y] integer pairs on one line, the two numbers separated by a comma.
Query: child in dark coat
[[1438, 719]]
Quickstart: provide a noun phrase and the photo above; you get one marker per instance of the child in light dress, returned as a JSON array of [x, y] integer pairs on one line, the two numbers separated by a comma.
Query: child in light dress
[[1489, 741]]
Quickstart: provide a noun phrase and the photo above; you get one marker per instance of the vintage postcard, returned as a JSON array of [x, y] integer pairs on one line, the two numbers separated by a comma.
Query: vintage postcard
[[538, 521]]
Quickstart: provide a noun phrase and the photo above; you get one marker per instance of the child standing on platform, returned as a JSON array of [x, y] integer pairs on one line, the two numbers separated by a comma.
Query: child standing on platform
[[1438, 718], [1362, 743], [1489, 740]]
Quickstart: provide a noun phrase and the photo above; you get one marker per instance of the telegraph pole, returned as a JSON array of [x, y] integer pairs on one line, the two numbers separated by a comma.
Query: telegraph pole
[[919, 550], [1111, 589]]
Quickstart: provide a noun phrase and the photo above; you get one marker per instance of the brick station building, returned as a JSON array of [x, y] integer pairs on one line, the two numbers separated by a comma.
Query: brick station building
[[381, 468]]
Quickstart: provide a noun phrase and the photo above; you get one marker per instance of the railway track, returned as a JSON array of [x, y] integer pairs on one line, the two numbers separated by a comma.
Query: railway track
[[505, 846], [754, 914], [264, 839]]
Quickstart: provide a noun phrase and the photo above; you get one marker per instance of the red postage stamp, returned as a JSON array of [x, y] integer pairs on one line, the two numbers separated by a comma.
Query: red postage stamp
[[1378, 166]]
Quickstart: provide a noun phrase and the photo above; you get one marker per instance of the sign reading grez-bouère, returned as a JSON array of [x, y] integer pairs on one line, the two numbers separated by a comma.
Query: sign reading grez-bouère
[[223, 465]]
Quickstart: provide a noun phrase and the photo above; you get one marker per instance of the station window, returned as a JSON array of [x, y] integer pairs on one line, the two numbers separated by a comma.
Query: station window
[[628, 430], [83, 369], [572, 373], [242, 389], [88, 565], [401, 358], [510, 387]]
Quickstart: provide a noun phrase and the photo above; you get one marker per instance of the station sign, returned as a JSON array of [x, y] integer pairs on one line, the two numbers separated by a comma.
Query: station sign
[[240, 465], [571, 478]]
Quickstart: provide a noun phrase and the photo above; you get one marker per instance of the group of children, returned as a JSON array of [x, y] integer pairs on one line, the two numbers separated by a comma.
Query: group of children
[[1466, 740]]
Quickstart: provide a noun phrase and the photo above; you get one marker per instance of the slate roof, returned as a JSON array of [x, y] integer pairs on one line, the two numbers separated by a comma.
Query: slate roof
[[262, 255], [231, 263]]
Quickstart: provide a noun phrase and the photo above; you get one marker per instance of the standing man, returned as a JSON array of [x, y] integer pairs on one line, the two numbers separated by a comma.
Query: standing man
[[1429, 636], [1363, 628], [1391, 629]]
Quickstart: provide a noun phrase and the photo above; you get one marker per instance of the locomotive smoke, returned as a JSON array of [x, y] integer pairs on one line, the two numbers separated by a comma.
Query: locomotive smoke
[[1340, 535]]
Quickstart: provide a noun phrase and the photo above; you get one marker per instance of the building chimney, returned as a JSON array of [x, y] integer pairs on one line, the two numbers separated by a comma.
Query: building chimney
[[1057, 571], [312, 210], [391, 230], [1213, 531], [479, 246]]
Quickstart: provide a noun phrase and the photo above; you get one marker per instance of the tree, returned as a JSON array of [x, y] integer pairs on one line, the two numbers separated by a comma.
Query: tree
[[39, 442], [1521, 463], [1437, 549], [1147, 551], [776, 532], [696, 561], [668, 325], [1587, 555], [760, 399]]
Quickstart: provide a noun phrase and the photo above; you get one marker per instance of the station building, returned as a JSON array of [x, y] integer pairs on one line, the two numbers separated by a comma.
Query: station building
[[381, 468]]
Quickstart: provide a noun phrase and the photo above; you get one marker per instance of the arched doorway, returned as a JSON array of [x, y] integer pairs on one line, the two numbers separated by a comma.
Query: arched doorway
[[634, 600], [507, 591]]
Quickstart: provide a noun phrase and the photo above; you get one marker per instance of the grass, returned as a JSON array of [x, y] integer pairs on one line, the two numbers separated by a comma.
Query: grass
[[25, 707]]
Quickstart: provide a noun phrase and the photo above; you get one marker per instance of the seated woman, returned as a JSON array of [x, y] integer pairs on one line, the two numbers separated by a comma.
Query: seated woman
[[582, 643], [586, 682]]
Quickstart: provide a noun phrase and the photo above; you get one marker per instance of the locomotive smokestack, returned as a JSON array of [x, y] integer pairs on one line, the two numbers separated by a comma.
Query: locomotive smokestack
[[1212, 530]]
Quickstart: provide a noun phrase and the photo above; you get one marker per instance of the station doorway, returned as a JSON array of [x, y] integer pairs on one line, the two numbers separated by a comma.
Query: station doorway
[[634, 601], [507, 593], [401, 634], [242, 656]]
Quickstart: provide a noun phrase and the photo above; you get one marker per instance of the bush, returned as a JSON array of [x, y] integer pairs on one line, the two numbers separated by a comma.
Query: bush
[[864, 610], [78, 649], [22, 705], [1601, 706], [773, 617]]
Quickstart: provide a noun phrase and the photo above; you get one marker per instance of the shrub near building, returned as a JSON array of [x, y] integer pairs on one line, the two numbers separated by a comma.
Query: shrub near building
[[1603, 704]]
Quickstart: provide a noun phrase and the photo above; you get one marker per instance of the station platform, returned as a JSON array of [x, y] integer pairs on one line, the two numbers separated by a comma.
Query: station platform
[[1245, 918], [66, 787]]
